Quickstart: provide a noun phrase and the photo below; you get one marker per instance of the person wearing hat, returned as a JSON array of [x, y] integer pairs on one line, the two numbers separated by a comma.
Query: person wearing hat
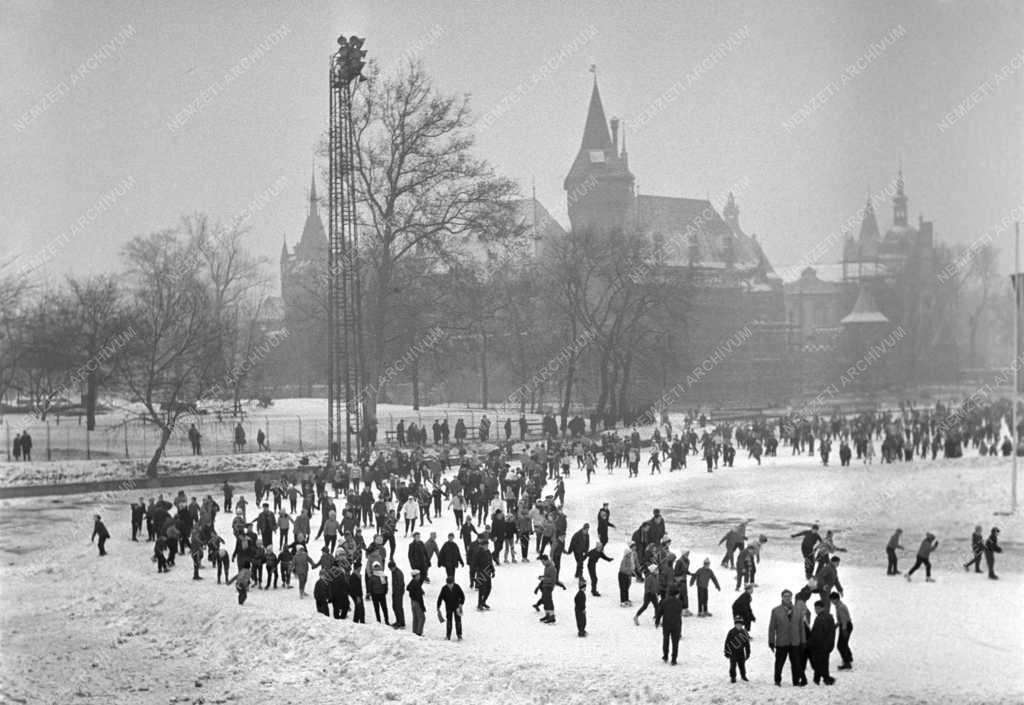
[[593, 556], [741, 608], [977, 550], [701, 578], [453, 598], [737, 649], [397, 595], [450, 557], [419, 609], [547, 584], [580, 604], [671, 624], [992, 547]]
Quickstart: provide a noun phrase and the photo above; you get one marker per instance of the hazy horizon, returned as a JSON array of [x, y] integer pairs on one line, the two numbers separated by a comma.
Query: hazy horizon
[[111, 130]]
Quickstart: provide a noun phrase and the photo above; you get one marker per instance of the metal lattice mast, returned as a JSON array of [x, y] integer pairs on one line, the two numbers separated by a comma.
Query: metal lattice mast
[[344, 331]]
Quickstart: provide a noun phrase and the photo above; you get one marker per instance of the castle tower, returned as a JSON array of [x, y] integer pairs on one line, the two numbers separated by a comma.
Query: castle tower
[[899, 202], [599, 186]]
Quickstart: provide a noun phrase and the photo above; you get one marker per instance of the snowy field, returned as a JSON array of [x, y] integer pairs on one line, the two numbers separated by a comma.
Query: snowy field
[[292, 425], [80, 629]]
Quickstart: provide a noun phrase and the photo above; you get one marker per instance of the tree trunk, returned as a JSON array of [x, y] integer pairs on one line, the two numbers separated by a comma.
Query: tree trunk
[[624, 390], [90, 401], [570, 371], [165, 436], [415, 372], [483, 369]]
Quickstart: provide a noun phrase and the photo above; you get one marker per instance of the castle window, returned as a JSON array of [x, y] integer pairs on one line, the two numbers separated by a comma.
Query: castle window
[[597, 156]]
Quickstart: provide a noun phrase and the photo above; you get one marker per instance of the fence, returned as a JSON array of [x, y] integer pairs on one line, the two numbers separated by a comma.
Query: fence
[[66, 438]]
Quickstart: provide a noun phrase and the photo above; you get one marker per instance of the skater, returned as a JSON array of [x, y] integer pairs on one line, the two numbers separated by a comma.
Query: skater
[[99, 530], [547, 584], [810, 540], [821, 642], [452, 597], [701, 578], [627, 567], [991, 549], [844, 625], [377, 587], [595, 554], [741, 608], [651, 590], [450, 557], [737, 649], [671, 625], [579, 547], [890, 552], [580, 604], [977, 549], [241, 579], [924, 553], [603, 524]]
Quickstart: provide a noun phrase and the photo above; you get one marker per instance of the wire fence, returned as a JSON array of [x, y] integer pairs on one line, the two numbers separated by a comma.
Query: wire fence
[[66, 438]]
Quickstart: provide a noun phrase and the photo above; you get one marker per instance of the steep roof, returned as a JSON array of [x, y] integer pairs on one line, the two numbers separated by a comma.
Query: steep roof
[[869, 236], [865, 310], [595, 132], [313, 243], [692, 230]]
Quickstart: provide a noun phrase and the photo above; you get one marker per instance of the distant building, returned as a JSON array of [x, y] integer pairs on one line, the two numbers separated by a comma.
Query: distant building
[[705, 256]]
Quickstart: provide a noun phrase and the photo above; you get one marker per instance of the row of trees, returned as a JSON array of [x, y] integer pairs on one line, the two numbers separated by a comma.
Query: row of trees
[[180, 322]]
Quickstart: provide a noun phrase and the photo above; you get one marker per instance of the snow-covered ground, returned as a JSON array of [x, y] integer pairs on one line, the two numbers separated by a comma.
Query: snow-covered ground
[[292, 425], [80, 629]]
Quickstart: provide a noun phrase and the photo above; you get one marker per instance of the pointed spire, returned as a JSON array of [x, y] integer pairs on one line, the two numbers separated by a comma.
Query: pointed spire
[[284, 248], [868, 227], [899, 201], [595, 132]]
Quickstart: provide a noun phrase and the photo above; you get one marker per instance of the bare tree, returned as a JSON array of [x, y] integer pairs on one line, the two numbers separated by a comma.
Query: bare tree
[[172, 360], [14, 287], [421, 191]]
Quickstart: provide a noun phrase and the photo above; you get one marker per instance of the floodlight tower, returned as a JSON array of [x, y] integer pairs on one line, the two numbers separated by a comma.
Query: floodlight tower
[[344, 330]]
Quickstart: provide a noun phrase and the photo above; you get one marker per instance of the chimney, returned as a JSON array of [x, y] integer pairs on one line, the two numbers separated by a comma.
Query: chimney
[[614, 122]]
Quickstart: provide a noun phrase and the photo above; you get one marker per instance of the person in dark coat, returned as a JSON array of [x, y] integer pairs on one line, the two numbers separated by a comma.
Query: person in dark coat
[[99, 530], [580, 605], [415, 590], [450, 557], [481, 571], [579, 546], [810, 540], [453, 598], [741, 608], [737, 649], [26, 446], [355, 591], [593, 556], [821, 642], [418, 559], [671, 624], [603, 523], [977, 550], [992, 547], [397, 595]]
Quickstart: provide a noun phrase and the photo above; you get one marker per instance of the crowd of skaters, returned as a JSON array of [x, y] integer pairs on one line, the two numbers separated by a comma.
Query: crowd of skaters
[[500, 513]]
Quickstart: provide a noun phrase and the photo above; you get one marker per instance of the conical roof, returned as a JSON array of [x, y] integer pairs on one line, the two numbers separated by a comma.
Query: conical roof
[[865, 310], [595, 132]]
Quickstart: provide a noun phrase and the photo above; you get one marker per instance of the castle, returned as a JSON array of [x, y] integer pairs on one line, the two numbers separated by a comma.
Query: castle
[[786, 336]]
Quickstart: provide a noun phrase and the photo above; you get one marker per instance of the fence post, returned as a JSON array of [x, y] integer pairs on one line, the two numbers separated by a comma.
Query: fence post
[[7, 425], [49, 452], [88, 448], [300, 432], [126, 438], [266, 422]]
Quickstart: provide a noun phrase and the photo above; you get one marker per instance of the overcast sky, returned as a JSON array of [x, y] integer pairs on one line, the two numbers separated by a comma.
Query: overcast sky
[[117, 117]]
